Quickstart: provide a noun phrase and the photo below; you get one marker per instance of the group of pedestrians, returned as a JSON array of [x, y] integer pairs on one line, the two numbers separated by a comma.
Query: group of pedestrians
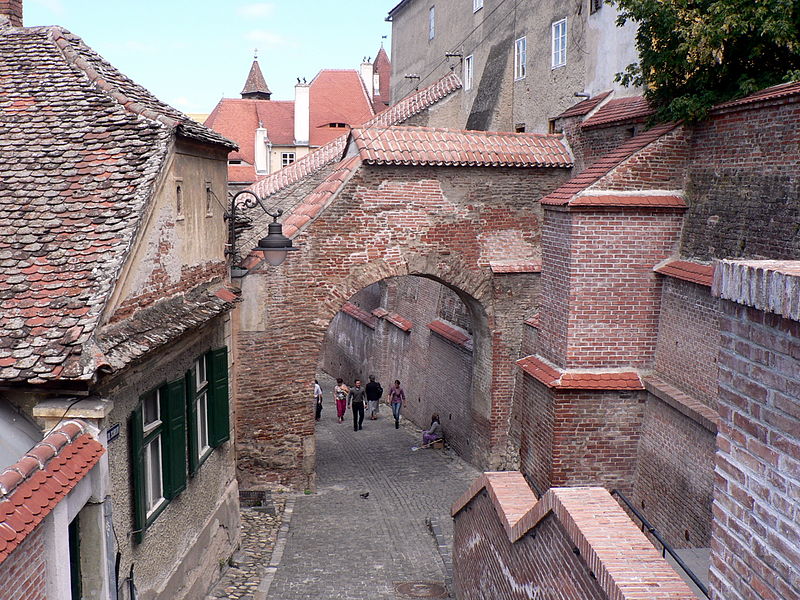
[[361, 400]]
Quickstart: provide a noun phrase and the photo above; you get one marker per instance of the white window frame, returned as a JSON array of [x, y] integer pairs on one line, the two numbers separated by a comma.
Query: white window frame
[[287, 158], [153, 454], [201, 407], [558, 35], [477, 5], [520, 58], [431, 22], [469, 64]]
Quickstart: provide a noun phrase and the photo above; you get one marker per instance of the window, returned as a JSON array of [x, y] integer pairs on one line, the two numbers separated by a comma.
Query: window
[[179, 198], [209, 199], [519, 128], [431, 22], [194, 408], [468, 72], [520, 58], [339, 125], [287, 158], [595, 5], [559, 30], [477, 5]]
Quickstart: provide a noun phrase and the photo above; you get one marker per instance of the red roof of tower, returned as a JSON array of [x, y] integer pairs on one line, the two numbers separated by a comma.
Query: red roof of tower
[[382, 67], [337, 96]]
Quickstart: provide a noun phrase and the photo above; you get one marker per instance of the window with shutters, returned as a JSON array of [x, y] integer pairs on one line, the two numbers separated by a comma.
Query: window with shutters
[[191, 409]]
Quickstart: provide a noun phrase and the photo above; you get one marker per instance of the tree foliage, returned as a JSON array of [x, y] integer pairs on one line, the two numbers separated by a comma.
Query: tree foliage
[[696, 53]]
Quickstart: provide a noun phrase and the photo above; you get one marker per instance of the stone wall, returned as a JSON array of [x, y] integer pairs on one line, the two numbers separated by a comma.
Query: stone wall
[[22, 574]]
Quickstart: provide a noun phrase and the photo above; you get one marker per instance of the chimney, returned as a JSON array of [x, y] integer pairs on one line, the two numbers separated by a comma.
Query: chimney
[[302, 118], [262, 151], [12, 10], [367, 77]]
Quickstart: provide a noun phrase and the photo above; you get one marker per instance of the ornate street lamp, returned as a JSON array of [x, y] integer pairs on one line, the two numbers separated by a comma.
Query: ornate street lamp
[[275, 246]]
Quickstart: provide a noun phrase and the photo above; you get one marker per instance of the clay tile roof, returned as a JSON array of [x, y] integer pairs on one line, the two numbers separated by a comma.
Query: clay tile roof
[[450, 147], [51, 469], [584, 107], [633, 108], [81, 147], [332, 151], [255, 85], [572, 379], [629, 200], [601, 167], [336, 96], [687, 270], [399, 322], [534, 320], [783, 90], [515, 266], [451, 333], [359, 314]]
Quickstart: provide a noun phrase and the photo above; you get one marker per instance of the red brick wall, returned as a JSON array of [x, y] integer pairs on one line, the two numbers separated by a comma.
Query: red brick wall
[[756, 533], [688, 339], [675, 475], [539, 565], [22, 575], [535, 411]]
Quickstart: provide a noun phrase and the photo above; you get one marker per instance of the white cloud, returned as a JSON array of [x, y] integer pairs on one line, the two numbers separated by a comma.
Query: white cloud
[[256, 10], [266, 38]]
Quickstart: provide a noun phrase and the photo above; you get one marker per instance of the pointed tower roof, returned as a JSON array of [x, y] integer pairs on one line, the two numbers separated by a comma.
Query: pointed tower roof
[[255, 88]]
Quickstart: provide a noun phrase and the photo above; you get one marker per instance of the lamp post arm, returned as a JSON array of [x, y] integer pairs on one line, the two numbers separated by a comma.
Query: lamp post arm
[[250, 200]]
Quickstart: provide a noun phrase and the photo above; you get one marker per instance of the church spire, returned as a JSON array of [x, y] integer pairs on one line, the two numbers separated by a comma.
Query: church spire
[[255, 88]]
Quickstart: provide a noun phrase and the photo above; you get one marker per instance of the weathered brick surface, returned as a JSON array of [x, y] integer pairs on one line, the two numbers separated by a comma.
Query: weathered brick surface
[[22, 575], [674, 476], [441, 223], [756, 532], [535, 412], [688, 339], [742, 186]]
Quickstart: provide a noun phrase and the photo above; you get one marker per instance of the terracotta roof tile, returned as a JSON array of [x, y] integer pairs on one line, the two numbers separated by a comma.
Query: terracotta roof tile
[[783, 90], [450, 147], [449, 332], [399, 322], [337, 96], [633, 108], [584, 107], [255, 83], [332, 151], [74, 214], [633, 201], [359, 314], [24, 503], [601, 167], [380, 312], [534, 321], [687, 270], [515, 266], [569, 379]]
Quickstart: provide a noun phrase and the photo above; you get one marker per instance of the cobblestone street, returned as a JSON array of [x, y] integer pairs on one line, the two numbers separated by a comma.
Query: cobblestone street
[[334, 544]]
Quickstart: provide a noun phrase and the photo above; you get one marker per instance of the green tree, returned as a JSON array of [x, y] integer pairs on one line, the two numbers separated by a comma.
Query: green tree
[[696, 53]]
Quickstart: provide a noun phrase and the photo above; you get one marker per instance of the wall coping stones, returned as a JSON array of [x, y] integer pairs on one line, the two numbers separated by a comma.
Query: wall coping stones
[[534, 321], [451, 333], [683, 403], [515, 266], [573, 379], [399, 322], [767, 285], [627, 566], [359, 314], [686, 270]]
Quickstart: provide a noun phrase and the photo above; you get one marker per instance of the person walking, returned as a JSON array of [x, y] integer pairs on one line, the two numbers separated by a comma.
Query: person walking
[[397, 398], [374, 392], [317, 400], [340, 393], [434, 433], [356, 401]]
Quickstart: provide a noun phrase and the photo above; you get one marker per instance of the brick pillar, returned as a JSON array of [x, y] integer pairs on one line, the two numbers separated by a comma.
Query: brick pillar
[[12, 10]]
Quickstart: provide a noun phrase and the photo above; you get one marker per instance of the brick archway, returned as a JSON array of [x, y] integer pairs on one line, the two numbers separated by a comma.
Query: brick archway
[[364, 223]]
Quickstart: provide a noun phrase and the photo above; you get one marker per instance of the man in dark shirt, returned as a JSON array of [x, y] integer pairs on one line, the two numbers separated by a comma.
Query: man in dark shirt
[[374, 393], [356, 401]]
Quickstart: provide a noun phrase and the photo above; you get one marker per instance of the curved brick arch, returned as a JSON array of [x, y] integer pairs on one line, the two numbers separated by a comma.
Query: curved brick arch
[[443, 223]]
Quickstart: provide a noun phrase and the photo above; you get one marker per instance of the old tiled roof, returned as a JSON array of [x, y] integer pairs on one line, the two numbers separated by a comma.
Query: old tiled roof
[[359, 314], [630, 200], [450, 147], [570, 379], [619, 110], [332, 151], [687, 270], [255, 83], [783, 90], [400, 322], [31, 488], [584, 107], [564, 194], [453, 334], [336, 96], [534, 320], [81, 147], [161, 323]]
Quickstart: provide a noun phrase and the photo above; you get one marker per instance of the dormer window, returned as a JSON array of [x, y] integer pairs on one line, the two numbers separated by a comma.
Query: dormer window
[[338, 125]]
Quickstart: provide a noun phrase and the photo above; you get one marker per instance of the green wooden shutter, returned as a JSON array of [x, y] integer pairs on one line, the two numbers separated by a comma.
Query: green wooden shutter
[[137, 471], [173, 415], [191, 418], [219, 416]]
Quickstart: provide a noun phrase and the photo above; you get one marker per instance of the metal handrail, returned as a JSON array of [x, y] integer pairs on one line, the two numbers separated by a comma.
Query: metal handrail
[[664, 545]]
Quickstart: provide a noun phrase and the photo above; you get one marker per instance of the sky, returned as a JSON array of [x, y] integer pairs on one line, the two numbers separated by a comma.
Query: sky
[[191, 54]]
